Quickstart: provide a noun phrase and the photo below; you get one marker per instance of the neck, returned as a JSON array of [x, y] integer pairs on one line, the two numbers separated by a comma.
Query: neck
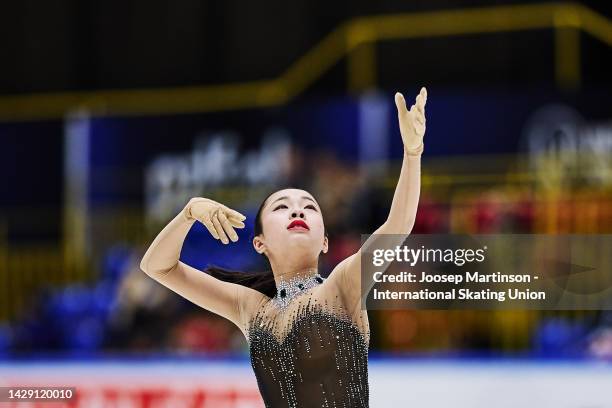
[[294, 273]]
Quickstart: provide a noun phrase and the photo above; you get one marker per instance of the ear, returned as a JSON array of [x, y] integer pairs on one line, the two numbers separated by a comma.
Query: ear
[[325, 245], [259, 245]]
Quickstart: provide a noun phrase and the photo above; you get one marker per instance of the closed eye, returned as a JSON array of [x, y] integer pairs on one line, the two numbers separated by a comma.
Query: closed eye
[[311, 206], [282, 205]]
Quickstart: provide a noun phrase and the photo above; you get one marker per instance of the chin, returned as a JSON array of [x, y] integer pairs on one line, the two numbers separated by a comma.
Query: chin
[[300, 244]]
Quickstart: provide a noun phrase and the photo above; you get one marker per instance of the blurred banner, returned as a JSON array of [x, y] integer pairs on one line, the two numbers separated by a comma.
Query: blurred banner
[[211, 150], [394, 382]]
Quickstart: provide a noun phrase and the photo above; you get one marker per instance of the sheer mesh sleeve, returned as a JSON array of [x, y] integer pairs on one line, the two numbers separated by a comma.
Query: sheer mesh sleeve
[[161, 262]]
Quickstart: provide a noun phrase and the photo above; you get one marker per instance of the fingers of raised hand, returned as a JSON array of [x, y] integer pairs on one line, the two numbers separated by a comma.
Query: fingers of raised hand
[[233, 214], [227, 226], [421, 100], [400, 102], [423, 94], [222, 235], [420, 103], [207, 221], [235, 223], [234, 217], [420, 106]]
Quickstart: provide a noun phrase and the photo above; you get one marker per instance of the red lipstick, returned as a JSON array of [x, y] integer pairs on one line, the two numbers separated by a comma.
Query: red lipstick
[[298, 223]]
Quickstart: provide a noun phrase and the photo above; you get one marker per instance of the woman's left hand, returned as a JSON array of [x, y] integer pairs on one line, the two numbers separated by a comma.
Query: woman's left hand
[[412, 122]]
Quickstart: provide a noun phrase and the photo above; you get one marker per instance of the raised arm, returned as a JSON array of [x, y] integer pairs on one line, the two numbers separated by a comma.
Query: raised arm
[[402, 214], [161, 261]]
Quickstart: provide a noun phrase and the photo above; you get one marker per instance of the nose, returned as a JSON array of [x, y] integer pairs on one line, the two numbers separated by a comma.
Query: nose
[[295, 214]]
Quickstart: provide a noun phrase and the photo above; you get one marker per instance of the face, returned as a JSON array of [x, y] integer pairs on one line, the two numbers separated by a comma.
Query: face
[[280, 211]]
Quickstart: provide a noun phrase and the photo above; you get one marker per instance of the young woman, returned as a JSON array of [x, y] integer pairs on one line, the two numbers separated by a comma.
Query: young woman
[[308, 337]]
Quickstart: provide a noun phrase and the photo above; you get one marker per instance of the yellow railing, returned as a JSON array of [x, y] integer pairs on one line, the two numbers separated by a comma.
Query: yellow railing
[[354, 39]]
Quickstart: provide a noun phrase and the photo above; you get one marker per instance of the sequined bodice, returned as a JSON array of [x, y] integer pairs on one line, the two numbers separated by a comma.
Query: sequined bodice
[[309, 355]]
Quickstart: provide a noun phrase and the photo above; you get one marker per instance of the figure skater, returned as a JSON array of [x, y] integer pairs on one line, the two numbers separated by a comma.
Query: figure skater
[[308, 336]]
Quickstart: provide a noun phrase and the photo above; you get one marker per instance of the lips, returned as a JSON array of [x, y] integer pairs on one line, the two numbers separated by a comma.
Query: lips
[[298, 224]]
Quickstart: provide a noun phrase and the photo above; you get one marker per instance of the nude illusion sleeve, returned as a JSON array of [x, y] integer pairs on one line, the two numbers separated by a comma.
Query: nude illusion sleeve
[[161, 262]]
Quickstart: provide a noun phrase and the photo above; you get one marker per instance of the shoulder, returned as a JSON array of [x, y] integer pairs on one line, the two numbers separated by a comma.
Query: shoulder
[[252, 300], [345, 278], [342, 275]]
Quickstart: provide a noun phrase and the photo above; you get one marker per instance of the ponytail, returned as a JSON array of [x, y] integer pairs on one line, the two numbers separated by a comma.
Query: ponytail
[[261, 281]]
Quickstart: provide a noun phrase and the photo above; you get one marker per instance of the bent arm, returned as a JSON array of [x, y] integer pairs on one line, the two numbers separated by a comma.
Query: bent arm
[[400, 221], [161, 262], [164, 252]]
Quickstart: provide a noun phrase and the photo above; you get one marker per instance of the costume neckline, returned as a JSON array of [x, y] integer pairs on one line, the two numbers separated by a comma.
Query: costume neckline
[[287, 290]]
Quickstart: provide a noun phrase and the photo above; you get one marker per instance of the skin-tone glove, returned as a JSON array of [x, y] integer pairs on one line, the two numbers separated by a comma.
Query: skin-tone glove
[[412, 122], [219, 219]]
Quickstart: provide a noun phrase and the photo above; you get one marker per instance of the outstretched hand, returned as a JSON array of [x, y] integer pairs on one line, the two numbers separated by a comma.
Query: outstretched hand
[[219, 219], [412, 122]]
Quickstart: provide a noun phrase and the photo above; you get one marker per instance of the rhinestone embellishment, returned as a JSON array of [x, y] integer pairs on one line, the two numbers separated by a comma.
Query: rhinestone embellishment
[[287, 290], [314, 356]]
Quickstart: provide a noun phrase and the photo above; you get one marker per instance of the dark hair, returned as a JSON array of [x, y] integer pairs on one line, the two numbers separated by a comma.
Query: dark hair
[[261, 281]]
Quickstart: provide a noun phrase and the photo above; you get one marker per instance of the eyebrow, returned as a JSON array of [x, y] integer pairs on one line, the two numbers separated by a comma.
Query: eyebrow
[[284, 197]]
